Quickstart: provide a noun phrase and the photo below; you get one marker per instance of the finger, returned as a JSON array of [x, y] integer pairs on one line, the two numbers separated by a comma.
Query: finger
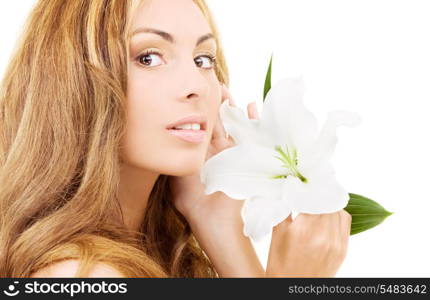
[[220, 135], [346, 214], [252, 110], [345, 220], [332, 220], [284, 224], [337, 230], [302, 217], [219, 131], [227, 95]]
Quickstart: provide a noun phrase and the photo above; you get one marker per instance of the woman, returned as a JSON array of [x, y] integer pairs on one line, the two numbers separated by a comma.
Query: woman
[[94, 180]]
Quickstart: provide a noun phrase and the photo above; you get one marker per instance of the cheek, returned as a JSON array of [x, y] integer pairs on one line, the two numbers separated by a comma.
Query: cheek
[[140, 137], [144, 141], [146, 105]]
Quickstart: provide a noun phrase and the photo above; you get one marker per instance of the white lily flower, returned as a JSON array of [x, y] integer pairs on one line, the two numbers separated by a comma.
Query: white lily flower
[[280, 163]]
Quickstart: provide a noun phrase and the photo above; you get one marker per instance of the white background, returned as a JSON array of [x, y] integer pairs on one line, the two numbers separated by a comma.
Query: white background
[[368, 56]]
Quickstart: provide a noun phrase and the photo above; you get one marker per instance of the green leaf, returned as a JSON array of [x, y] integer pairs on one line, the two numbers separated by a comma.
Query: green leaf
[[268, 81], [365, 213]]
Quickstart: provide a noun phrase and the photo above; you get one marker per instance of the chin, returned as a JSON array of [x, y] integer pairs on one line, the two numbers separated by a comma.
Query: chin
[[185, 166]]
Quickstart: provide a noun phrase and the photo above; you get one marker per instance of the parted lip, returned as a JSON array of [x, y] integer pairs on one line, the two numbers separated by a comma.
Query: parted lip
[[200, 119]]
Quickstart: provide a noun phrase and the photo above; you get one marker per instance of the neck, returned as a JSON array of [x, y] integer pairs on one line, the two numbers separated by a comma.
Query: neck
[[134, 189]]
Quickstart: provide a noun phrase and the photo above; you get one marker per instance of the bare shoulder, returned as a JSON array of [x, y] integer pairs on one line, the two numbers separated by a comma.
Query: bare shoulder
[[69, 268]]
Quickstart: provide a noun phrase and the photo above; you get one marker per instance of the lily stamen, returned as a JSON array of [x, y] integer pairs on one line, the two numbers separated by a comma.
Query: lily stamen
[[290, 162]]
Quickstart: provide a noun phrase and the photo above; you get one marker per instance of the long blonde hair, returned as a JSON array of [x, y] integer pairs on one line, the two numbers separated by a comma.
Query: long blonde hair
[[62, 115]]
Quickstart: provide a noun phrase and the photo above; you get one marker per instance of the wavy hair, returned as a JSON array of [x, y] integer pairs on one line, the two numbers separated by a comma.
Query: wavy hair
[[62, 115]]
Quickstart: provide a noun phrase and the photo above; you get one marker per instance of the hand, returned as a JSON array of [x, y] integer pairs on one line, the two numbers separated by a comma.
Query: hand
[[188, 192], [313, 245]]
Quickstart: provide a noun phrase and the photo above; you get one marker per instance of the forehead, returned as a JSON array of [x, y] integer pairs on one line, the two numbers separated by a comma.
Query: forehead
[[179, 17]]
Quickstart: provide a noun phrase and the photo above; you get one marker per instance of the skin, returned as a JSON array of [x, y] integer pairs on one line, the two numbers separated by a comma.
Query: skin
[[310, 246], [148, 148], [179, 82]]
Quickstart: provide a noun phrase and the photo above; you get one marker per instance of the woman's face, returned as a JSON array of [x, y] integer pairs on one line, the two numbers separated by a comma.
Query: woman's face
[[171, 77]]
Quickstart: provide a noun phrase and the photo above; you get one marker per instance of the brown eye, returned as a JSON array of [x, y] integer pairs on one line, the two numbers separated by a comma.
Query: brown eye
[[149, 58], [210, 61]]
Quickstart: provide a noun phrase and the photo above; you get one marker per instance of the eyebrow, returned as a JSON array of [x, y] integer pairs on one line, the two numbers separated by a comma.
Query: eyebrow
[[168, 37]]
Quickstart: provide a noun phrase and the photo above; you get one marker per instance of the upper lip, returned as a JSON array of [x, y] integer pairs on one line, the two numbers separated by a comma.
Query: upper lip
[[200, 119]]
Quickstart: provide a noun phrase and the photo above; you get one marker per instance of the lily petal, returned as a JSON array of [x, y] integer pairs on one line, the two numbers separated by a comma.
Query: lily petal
[[285, 116], [324, 146], [321, 194], [242, 172], [260, 215], [237, 125]]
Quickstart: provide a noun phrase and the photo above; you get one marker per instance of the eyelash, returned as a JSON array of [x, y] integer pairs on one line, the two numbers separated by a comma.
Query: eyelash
[[211, 57]]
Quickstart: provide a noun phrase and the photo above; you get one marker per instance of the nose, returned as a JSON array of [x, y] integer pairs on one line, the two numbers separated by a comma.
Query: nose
[[192, 82]]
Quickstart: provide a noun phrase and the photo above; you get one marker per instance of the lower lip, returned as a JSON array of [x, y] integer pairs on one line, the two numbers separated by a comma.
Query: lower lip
[[192, 136]]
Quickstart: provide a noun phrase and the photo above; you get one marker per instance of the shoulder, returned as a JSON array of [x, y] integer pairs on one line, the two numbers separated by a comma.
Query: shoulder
[[69, 268]]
